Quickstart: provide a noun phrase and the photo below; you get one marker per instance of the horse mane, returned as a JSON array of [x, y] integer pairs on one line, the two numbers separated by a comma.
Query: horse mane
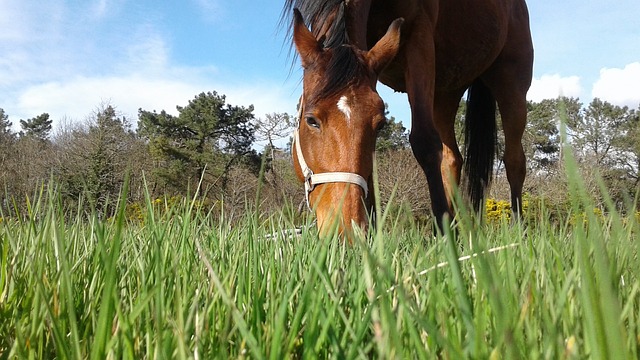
[[316, 13], [344, 65]]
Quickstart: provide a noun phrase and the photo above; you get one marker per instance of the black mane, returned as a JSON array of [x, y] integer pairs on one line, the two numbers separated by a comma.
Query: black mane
[[315, 14], [345, 65]]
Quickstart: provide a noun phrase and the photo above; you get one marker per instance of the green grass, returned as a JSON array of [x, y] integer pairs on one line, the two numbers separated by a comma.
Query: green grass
[[183, 285]]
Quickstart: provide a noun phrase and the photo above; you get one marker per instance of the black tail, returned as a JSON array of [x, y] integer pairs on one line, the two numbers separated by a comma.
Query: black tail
[[480, 141]]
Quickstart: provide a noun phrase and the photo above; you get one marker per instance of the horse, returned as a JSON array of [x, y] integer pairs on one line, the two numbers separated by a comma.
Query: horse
[[435, 51]]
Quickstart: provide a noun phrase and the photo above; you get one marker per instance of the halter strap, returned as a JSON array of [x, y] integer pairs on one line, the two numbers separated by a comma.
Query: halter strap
[[311, 179]]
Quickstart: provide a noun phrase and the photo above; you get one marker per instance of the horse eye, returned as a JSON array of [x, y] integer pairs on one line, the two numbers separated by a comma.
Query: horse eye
[[381, 125], [312, 121]]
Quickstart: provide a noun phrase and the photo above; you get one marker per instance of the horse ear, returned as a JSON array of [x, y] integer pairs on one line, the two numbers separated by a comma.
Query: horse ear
[[306, 44], [386, 48]]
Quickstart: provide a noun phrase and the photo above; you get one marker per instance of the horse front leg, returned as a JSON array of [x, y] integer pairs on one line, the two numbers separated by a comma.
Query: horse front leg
[[427, 144], [444, 113], [427, 149]]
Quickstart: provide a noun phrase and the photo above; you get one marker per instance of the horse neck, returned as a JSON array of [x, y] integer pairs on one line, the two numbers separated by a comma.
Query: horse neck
[[346, 24], [357, 15]]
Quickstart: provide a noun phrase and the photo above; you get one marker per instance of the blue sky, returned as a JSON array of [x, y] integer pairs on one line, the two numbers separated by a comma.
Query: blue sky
[[66, 57]]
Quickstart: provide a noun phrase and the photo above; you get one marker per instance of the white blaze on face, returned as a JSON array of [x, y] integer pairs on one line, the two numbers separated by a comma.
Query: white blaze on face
[[343, 106]]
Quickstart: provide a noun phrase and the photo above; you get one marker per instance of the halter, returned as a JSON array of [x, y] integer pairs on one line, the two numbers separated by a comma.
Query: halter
[[311, 179]]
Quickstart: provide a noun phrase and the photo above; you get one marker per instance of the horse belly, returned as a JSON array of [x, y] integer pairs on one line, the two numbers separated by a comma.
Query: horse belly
[[458, 69], [468, 38]]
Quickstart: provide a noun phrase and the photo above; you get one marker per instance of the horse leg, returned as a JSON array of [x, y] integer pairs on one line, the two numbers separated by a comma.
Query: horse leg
[[424, 137], [513, 123], [445, 108], [509, 79], [512, 103], [514, 117], [427, 149]]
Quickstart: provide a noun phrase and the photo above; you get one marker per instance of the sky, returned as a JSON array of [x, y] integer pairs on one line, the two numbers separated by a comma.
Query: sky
[[69, 57]]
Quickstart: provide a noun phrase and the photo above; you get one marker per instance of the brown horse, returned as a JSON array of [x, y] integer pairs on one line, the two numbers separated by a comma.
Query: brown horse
[[446, 48]]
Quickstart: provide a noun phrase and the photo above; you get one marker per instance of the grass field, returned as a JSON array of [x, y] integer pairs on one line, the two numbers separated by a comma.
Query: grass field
[[180, 284]]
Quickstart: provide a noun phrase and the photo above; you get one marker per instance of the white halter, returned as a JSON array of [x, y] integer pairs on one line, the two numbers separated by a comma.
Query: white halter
[[311, 179]]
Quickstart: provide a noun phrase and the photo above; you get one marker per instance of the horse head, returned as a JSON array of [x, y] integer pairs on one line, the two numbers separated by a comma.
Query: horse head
[[340, 115]]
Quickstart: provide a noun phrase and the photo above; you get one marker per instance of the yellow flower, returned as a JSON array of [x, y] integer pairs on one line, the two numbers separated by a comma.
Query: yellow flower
[[497, 210]]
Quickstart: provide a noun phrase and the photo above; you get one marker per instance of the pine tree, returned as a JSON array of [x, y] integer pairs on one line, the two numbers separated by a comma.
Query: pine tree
[[208, 134], [6, 135], [38, 127]]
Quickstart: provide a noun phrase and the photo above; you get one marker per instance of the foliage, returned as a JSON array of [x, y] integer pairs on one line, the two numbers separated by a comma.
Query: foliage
[[6, 135], [7, 151], [596, 131], [603, 137], [135, 212], [24, 161], [393, 135], [90, 161], [94, 159], [204, 140], [543, 132], [497, 211], [273, 127], [409, 188], [628, 148], [38, 127]]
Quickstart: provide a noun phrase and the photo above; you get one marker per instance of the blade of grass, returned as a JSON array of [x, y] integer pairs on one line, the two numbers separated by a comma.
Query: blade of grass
[[462, 296], [108, 297], [66, 282]]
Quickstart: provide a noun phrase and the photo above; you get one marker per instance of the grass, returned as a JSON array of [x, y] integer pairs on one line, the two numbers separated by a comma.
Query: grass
[[182, 285]]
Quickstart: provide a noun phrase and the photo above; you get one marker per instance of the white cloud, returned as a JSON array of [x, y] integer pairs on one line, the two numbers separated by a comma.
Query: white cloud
[[71, 65], [76, 98], [619, 86], [9, 11], [28, 22], [266, 96], [552, 86]]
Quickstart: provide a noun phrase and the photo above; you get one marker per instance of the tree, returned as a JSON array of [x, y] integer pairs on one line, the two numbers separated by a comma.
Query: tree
[[38, 127], [393, 136], [93, 159], [6, 135], [628, 151], [271, 128], [596, 132], [7, 156], [208, 134], [542, 136], [25, 165], [603, 137], [33, 155], [106, 147], [274, 127]]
